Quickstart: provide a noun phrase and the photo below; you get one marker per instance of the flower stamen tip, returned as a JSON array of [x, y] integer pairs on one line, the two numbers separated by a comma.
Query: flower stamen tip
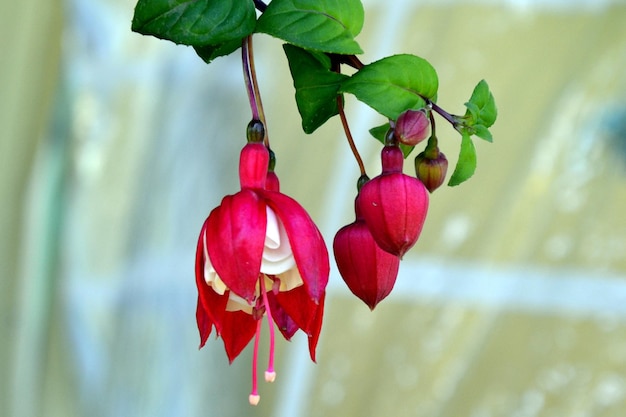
[[270, 376], [254, 399]]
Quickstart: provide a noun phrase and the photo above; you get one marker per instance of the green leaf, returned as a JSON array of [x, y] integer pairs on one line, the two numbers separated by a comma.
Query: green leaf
[[316, 86], [482, 105], [394, 84], [466, 165], [321, 25], [482, 132], [195, 22], [210, 52], [380, 132]]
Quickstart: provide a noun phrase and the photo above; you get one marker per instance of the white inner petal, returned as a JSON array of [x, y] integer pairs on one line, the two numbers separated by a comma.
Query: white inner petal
[[277, 255]]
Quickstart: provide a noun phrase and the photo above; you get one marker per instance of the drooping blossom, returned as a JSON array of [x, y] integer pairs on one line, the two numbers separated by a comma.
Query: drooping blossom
[[259, 254], [369, 271], [394, 205]]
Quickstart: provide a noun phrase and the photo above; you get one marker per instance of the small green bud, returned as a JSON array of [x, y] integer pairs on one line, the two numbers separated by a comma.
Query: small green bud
[[431, 171]]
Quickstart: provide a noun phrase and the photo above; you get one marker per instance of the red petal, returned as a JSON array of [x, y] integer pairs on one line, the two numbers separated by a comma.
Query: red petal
[[316, 327], [238, 329], [286, 325], [203, 318], [235, 239], [205, 324], [307, 244], [305, 313]]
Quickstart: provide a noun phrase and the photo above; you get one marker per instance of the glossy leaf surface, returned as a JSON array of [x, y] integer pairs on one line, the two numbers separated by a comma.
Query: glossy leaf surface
[[320, 25], [394, 84], [195, 22], [316, 86]]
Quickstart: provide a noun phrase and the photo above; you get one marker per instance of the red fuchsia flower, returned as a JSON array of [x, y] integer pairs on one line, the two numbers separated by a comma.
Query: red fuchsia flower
[[394, 205], [259, 253], [369, 271]]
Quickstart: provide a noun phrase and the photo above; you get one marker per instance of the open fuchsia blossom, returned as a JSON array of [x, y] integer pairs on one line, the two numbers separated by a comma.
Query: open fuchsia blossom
[[259, 254]]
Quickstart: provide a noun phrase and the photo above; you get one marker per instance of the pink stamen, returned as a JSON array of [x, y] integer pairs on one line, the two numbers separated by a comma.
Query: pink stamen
[[270, 374], [254, 397]]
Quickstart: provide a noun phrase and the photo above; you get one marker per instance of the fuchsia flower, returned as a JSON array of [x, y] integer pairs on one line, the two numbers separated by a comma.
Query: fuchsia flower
[[259, 253], [369, 271], [394, 205]]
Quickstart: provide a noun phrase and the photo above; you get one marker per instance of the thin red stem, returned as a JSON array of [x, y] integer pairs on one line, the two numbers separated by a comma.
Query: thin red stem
[[346, 129]]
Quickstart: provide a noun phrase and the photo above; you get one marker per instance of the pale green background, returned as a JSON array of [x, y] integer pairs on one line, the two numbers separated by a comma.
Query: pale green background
[[114, 148]]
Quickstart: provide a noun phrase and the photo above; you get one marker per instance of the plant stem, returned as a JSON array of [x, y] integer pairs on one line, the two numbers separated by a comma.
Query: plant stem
[[350, 60], [255, 88], [248, 79], [449, 117], [252, 85], [346, 129], [432, 124]]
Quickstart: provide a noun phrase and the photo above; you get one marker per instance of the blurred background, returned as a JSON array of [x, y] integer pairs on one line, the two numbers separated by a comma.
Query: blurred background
[[115, 147]]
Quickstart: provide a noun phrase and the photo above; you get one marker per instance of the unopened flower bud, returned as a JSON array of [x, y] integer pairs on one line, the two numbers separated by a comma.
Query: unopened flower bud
[[412, 127], [431, 171], [394, 205], [369, 271]]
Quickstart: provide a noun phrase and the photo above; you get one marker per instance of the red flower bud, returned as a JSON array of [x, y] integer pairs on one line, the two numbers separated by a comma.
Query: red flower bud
[[394, 205], [412, 127], [431, 171], [369, 271]]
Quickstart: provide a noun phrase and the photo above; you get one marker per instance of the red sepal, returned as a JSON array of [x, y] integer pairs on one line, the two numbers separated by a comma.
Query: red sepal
[[307, 243], [235, 238], [304, 311]]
